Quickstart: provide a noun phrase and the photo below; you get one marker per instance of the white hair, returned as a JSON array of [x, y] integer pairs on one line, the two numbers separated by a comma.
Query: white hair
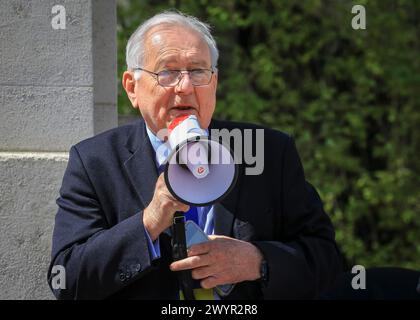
[[135, 51]]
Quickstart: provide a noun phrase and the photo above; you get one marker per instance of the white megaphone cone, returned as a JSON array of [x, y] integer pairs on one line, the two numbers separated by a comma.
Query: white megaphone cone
[[195, 157], [199, 171]]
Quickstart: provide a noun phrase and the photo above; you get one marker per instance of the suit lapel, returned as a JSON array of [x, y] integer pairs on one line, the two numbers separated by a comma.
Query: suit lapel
[[140, 166], [223, 220]]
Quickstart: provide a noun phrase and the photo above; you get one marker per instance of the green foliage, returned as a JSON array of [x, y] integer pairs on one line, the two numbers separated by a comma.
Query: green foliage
[[349, 97]]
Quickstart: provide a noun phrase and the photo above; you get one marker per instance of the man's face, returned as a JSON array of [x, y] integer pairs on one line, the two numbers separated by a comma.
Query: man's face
[[173, 48]]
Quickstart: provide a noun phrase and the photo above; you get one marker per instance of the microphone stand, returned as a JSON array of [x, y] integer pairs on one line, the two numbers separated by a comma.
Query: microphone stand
[[179, 251]]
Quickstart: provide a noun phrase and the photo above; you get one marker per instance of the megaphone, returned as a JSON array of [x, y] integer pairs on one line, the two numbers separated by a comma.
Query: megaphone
[[199, 171]]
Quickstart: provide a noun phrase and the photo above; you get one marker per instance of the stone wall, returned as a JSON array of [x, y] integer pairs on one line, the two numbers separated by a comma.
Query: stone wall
[[57, 87]]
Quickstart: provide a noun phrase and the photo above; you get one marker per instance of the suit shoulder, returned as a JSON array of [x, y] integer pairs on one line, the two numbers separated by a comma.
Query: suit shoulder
[[107, 139], [269, 133]]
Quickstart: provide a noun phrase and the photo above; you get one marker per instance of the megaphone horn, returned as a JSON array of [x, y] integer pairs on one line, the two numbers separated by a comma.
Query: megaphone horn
[[199, 171]]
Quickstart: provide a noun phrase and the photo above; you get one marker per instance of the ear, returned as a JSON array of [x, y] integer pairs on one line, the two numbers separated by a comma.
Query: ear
[[129, 84], [214, 80]]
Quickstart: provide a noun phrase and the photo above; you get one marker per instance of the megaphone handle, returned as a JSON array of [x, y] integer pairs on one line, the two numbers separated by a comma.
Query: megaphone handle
[[179, 251], [179, 243]]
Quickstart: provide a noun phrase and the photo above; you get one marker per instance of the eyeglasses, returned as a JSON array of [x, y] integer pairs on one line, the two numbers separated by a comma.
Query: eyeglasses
[[171, 78]]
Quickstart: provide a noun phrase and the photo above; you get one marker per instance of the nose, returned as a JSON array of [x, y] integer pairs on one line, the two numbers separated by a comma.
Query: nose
[[184, 85]]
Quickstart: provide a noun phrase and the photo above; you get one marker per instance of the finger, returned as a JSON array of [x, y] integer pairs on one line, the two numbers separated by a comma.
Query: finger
[[184, 207], [199, 249], [178, 205], [218, 237], [209, 282], [189, 263], [161, 180], [202, 272], [173, 203]]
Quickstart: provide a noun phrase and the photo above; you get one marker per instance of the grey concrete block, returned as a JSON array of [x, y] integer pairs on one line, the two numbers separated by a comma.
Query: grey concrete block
[[29, 186], [105, 117], [104, 17], [57, 87], [128, 118], [45, 118], [32, 52]]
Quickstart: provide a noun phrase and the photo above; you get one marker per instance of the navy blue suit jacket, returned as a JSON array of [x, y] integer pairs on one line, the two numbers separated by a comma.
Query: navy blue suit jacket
[[110, 178]]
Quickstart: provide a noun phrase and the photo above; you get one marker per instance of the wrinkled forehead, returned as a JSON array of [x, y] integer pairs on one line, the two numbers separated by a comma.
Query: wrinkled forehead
[[165, 40]]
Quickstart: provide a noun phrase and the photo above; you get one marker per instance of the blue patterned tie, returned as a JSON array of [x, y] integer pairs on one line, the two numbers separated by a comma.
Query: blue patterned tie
[[192, 214]]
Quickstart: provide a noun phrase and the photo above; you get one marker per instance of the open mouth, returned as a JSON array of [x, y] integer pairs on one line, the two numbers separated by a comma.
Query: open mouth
[[183, 108]]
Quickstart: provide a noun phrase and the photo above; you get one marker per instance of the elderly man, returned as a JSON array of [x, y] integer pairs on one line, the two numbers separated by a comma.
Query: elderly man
[[270, 236]]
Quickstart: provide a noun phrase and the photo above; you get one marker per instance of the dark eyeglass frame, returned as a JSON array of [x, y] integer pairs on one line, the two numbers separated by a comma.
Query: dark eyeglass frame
[[181, 73]]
